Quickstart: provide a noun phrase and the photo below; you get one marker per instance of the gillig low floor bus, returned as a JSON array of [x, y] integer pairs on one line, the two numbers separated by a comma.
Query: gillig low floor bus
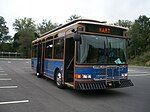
[[84, 55]]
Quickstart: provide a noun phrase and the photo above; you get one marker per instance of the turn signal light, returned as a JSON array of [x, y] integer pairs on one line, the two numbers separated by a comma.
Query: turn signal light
[[77, 76]]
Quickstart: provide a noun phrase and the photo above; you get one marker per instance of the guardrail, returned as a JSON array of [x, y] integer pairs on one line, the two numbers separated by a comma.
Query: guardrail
[[10, 55]]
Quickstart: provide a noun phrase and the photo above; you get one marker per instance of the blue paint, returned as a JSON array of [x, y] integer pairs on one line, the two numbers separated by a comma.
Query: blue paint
[[34, 63], [50, 66], [101, 73]]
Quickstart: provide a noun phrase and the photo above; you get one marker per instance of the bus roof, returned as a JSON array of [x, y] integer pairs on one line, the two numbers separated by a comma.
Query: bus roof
[[79, 21]]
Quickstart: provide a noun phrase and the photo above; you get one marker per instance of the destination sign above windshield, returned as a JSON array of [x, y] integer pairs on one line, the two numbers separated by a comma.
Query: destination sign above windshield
[[104, 29]]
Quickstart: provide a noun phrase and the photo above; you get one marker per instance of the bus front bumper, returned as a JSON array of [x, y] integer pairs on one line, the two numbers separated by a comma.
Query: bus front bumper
[[103, 84]]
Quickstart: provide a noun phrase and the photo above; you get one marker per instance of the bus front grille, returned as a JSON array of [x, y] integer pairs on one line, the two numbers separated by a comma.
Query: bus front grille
[[91, 85]]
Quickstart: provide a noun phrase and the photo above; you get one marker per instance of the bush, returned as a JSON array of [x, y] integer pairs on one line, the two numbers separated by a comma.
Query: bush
[[142, 60]]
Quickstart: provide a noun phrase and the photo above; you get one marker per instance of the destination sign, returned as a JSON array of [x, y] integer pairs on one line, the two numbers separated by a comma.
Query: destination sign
[[104, 29]]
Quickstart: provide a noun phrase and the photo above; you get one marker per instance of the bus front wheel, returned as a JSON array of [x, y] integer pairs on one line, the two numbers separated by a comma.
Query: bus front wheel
[[58, 80]]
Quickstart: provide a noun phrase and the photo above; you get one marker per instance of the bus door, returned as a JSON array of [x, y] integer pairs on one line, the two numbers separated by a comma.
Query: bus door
[[40, 60], [69, 60]]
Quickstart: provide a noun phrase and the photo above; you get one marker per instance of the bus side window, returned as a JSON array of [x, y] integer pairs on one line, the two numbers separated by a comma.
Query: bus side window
[[49, 46], [58, 48], [34, 51]]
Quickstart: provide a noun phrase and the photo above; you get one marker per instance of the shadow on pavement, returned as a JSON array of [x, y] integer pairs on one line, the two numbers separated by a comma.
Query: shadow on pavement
[[99, 93], [108, 93]]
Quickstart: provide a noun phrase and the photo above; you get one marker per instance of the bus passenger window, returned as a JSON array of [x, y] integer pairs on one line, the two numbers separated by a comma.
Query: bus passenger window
[[34, 51], [58, 48], [49, 46]]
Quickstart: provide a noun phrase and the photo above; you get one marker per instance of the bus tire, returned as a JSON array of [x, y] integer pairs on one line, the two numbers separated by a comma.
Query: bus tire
[[58, 80]]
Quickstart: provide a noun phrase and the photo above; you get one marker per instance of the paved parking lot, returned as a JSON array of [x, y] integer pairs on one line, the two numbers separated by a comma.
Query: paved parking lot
[[22, 91]]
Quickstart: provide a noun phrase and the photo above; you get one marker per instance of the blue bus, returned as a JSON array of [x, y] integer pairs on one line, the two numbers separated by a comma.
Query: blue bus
[[84, 55]]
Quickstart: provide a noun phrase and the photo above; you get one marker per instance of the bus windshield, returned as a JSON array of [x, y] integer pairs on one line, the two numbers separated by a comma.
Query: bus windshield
[[95, 49]]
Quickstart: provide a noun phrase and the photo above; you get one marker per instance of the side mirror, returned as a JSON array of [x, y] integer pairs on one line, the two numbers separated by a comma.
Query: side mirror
[[76, 37]]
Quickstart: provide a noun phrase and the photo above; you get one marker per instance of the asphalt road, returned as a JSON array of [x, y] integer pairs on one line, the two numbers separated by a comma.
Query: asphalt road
[[21, 91]]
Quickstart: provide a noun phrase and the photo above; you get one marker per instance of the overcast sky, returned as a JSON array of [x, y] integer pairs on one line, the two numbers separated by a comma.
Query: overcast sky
[[60, 10]]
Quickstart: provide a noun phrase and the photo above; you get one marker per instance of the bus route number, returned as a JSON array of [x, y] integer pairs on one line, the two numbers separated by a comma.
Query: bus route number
[[104, 30]]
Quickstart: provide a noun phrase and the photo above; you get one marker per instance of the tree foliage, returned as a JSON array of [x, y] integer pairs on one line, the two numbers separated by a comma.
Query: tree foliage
[[3, 31], [124, 23], [25, 23], [139, 36], [25, 34], [73, 17], [46, 26]]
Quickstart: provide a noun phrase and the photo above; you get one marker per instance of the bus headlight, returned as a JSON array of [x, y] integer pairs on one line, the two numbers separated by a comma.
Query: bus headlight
[[86, 76], [124, 74], [89, 76]]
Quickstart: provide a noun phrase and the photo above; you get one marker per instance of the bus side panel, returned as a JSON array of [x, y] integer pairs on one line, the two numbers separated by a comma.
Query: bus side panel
[[51, 65], [34, 63]]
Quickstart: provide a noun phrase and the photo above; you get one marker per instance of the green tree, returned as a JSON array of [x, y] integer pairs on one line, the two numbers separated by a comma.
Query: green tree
[[46, 26], [73, 17], [139, 35], [15, 43], [6, 47], [25, 23], [25, 34], [5, 39], [3, 31], [124, 23]]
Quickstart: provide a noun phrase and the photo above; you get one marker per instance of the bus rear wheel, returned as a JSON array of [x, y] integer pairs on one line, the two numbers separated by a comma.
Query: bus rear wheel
[[58, 80]]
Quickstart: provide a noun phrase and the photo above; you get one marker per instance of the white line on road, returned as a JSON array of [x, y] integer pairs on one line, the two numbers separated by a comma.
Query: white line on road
[[3, 74], [14, 102], [139, 75], [131, 70], [8, 87], [5, 79], [2, 71], [9, 61]]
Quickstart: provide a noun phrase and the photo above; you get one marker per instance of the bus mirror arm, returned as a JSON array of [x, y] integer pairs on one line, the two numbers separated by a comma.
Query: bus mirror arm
[[76, 36]]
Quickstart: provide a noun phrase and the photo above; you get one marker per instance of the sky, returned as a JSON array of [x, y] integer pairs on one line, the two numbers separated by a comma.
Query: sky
[[58, 11]]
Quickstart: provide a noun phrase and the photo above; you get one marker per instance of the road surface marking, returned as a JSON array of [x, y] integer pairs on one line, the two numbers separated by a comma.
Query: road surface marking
[[9, 61], [139, 72], [14, 102], [3, 74], [27, 62], [2, 71], [131, 70], [8, 87], [5, 79], [139, 75]]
